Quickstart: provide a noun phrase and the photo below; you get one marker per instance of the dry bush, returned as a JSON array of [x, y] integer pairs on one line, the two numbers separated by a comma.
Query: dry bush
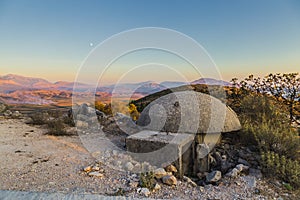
[[39, 118], [56, 127]]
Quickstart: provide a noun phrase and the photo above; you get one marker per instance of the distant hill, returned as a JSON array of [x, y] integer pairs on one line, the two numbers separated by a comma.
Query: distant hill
[[210, 81], [12, 82], [28, 90]]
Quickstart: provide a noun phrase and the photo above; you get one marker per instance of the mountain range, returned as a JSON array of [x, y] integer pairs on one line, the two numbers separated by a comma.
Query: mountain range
[[21, 89]]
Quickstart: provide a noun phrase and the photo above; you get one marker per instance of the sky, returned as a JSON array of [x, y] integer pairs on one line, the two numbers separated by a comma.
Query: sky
[[51, 39]]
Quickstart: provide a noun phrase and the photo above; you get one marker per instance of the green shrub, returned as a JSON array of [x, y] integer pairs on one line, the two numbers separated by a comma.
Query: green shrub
[[147, 180], [266, 123], [285, 169]]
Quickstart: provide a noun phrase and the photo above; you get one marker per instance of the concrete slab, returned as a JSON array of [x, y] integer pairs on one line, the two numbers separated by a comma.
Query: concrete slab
[[161, 147]]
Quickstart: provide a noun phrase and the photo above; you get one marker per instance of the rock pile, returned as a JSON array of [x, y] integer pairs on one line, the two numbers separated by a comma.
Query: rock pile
[[166, 175], [94, 171]]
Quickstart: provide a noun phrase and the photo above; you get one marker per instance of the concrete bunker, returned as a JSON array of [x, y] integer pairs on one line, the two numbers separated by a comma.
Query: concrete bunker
[[189, 124]]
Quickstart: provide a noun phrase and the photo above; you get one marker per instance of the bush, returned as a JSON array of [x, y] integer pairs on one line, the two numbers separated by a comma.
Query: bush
[[147, 180], [285, 169], [68, 121], [55, 121], [105, 108], [134, 114], [266, 123], [56, 127], [39, 118]]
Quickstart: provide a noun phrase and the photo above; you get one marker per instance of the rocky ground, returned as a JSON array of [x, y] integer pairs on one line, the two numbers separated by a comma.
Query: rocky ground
[[33, 161]]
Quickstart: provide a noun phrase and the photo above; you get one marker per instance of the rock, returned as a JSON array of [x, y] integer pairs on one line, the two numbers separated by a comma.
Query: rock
[[241, 167], [159, 173], [169, 180], [133, 184], [171, 168], [95, 168], [217, 157], [3, 107], [189, 181], [7, 113], [126, 124], [213, 176], [144, 191], [82, 124], [212, 160], [242, 161], [226, 146], [100, 114], [255, 172], [157, 187], [233, 173], [87, 169], [224, 157], [201, 188], [16, 115], [225, 165], [128, 166], [201, 175], [115, 152], [83, 118], [250, 180], [96, 174]]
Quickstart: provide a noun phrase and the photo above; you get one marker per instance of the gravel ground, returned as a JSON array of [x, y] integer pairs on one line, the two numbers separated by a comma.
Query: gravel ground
[[34, 162]]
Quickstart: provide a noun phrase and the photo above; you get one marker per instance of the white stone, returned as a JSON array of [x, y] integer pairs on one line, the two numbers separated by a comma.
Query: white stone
[[96, 174], [144, 191], [128, 166], [157, 187]]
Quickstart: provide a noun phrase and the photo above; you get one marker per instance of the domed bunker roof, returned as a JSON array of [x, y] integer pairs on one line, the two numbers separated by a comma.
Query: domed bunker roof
[[188, 112]]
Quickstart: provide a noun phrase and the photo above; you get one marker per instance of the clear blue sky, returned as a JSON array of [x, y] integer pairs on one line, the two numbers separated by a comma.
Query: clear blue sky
[[50, 38]]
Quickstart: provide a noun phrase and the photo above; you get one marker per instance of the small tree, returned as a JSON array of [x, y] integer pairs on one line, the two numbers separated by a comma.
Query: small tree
[[134, 114], [284, 87]]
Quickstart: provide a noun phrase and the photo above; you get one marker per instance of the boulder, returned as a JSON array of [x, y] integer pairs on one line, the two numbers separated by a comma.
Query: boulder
[[87, 169], [128, 166], [126, 124], [241, 167], [157, 187], [159, 173], [189, 181], [82, 124], [233, 173], [3, 107], [169, 180], [171, 168], [16, 114], [213, 176], [244, 162], [255, 172]]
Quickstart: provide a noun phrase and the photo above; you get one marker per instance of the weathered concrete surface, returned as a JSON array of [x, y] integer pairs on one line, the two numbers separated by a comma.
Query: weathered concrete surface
[[188, 112], [159, 148]]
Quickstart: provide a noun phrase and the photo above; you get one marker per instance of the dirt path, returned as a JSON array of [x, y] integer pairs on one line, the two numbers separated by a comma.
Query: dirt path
[[31, 162]]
